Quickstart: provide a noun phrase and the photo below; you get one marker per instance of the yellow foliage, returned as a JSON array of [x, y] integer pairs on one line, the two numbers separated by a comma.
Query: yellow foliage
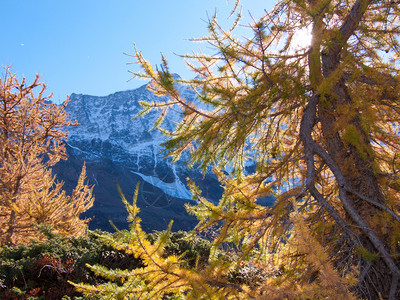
[[321, 125], [31, 141]]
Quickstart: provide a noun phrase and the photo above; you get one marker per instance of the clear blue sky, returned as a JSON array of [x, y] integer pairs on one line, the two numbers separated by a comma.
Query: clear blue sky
[[77, 46]]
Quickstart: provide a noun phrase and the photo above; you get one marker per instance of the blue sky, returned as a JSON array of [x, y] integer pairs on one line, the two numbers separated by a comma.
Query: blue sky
[[78, 46]]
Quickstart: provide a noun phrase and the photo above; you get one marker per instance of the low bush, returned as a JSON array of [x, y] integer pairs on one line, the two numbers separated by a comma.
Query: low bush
[[41, 270], [193, 249]]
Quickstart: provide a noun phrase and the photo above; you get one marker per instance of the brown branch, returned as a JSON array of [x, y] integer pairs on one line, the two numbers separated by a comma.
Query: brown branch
[[331, 55], [311, 148], [351, 22], [386, 78], [307, 123], [370, 201]]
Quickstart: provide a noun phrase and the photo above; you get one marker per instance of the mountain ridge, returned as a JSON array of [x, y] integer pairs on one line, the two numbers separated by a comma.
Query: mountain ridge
[[118, 149]]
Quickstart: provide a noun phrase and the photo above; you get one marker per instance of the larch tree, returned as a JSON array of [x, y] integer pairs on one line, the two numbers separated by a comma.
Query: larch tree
[[321, 124], [32, 135]]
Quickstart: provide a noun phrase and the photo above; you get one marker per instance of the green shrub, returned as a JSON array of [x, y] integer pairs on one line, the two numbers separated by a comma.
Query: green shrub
[[194, 249], [43, 269]]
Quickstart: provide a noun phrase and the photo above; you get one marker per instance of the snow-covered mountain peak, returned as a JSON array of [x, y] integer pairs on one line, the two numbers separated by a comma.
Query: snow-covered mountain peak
[[120, 149]]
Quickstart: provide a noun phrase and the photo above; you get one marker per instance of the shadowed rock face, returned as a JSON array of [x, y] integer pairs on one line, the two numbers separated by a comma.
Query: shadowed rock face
[[119, 150], [157, 208]]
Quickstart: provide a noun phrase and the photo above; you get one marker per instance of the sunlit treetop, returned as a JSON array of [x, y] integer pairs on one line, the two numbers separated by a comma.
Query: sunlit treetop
[[32, 140], [320, 120]]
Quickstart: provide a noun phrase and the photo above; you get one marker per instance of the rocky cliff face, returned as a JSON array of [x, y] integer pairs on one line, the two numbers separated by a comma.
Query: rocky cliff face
[[120, 150]]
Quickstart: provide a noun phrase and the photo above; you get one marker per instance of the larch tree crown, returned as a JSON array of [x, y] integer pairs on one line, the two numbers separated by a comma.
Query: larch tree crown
[[32, 136], [321, 123]]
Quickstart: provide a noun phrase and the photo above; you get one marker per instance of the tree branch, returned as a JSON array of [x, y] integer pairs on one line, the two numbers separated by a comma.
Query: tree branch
[[311, 148]]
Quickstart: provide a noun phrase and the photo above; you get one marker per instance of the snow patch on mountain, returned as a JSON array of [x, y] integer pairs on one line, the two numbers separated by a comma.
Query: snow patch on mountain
[[175, 189], [109, 131], [89, 155]]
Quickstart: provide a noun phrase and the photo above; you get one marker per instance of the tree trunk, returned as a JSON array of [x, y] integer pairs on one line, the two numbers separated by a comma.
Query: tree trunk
[[357, 169]]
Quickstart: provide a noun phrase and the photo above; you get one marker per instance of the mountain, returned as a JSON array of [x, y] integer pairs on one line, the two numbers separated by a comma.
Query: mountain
[[120, 150]]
